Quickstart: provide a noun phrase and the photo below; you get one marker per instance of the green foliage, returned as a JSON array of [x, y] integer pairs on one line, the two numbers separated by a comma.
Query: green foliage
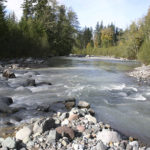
[[133, 43], [45, 29], [144, 54], [48, 29]]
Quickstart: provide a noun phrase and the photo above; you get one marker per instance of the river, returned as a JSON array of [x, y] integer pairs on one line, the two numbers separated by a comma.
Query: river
[[117, 98]]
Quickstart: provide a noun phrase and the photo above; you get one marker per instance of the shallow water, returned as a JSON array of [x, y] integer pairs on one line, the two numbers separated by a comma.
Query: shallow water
[[117, 98]]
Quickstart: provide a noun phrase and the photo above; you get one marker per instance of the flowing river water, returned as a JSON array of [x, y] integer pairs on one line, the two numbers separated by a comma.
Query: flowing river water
[[117, 98]]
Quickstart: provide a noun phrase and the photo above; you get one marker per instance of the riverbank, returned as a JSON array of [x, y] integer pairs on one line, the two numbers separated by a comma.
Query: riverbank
[[73, 130], [100, 57], [142, 74]]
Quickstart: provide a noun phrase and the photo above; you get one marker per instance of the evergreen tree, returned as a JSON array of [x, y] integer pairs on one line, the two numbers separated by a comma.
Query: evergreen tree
[[27, 9], [87, 36]]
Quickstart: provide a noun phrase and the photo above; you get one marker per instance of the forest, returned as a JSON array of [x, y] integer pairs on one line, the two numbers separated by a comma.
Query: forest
[[48, 29]]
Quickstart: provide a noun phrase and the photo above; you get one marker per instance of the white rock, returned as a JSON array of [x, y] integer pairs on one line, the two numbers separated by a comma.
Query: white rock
[[91, 118], [135, 145], [9, 143], [1, 140], [107, 136], [83, 104], [51, 137], [78, 147], [100, 146], [24, 134], [65, 122]]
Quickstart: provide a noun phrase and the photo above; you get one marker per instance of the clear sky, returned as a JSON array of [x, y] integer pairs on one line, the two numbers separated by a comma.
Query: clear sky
[[120, 12]]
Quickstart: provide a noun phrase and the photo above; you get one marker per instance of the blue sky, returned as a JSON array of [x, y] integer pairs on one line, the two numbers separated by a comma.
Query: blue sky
[[120, 12]]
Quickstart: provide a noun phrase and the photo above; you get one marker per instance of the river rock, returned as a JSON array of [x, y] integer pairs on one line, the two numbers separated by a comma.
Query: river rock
[[30, 144], [134, 144], [91, 111], [6, 100], [8, 74], [43, 83], [73, 117], [9, 143], [65, 122], [100, 146], [123, 144], [43, 108], [83, 104], [30, 82], [43, 125], [24, 134], [4, 108], [91, 118], [80, 128], [63, 116], [70, 103], [65, 131], [51, 137], [107, 136], [21, 82], [15, 66], [74, 111], [1, 140], [129, 147]]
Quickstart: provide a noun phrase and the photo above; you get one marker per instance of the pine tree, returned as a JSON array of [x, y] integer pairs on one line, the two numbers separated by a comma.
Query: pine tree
[[3, 27], [27, 9]]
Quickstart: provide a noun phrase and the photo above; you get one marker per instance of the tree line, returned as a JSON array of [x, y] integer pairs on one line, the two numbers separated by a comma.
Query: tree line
[[48, 29], [45, 29], [131, 43]]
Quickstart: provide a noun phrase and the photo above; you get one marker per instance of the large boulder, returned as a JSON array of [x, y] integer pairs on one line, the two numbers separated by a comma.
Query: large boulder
[[107, 136], [43, 125], [6, 100], [8, 74], [83, 104], [24, 134], [65, 131]]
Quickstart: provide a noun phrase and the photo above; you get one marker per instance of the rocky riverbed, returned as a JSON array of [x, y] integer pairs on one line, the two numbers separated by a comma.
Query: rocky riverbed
[[65, 124], [142, 74], [76, 129]]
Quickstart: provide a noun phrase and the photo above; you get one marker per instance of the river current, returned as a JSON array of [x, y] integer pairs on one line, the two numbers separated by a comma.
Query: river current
[[117, 98]]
